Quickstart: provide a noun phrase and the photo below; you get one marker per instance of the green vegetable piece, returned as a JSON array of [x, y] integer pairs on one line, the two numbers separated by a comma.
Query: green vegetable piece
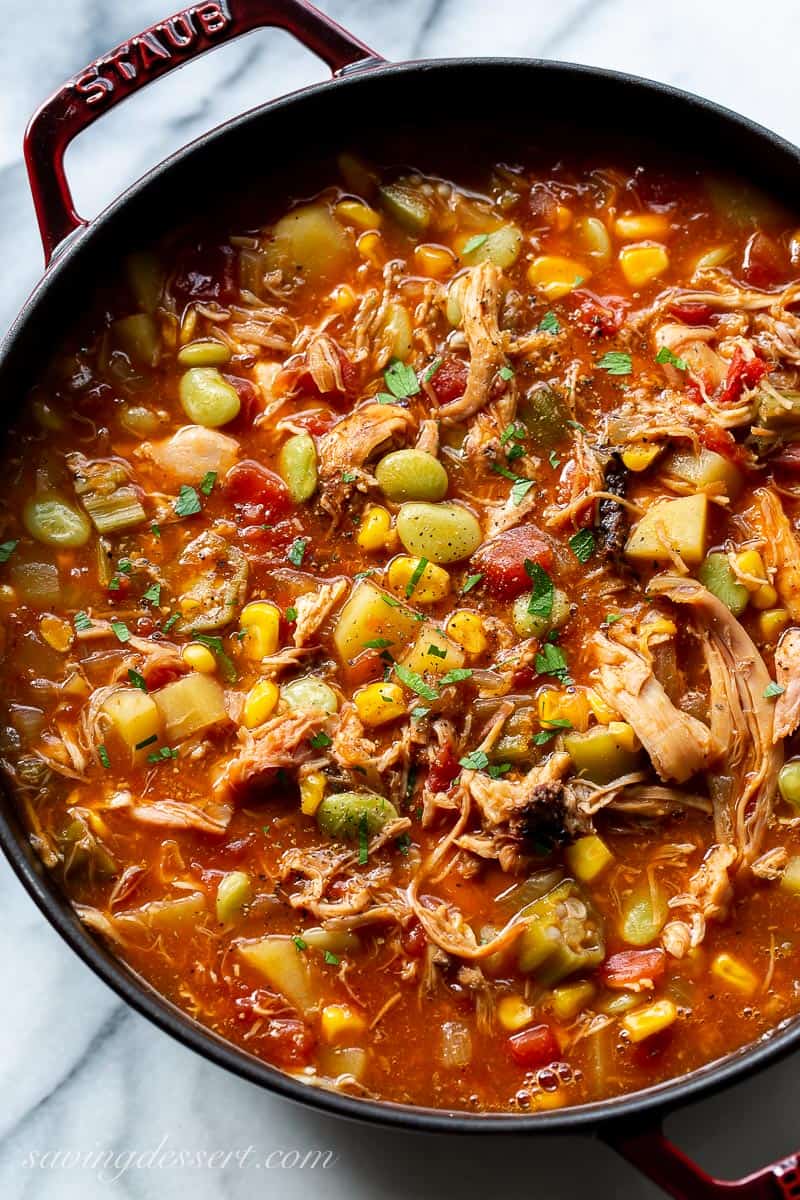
[[138, 337], [716, 574], [407, 206], [789, 782], [442, 533], [644, 914], [234, 892], [501, 247], [308, 244], [145, 279], [563, 935], [206, 352], [411, 475], [309, 693], [51, 520], [207, 398], [545, 416], [528, 622], [343, 814], [297, 463], [599, 756]]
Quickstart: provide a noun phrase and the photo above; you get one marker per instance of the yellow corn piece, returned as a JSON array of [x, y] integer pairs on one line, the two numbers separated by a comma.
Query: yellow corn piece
[[379, 702], [340, 1021], [644, 1022], [466, 629], [368, 246], [752, 571], [588, 857], [555, 276], [735, 973], [513, 1013], [374, 532], [563, 217], [624, 735], [569, 999], [604, 714], [638, 226], [765, 597], [573, 706], [259, 703], [8, 597], [435, 261], [432, 585], [260, 624], [57, 633], [343, 297], [771, 624], [644, 262], [656, 626], [312, 790], [199, 658], [640, 456], [353, 212]]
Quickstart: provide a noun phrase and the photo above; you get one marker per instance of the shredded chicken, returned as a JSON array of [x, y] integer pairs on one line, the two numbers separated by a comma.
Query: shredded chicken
[[348, 446], [787, 675], [480, 307], [313, 609], [282, 742]]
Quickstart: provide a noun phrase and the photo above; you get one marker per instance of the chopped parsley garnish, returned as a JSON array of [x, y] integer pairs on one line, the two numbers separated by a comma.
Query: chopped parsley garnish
[[457, 675], [376, 643], [419, 713], [431, 370], [6, 550], [476, 760], [153, 594], [385, 398], [665, 355], [170, 621], [147, 741], [582, 545], [470, 582], [300, 943], [558, 723], [416, 575], [497, 770], [475, 243], [415, 682], [188, 502], [544, 736], [773, 689], [520, 490], [125, 565], [121, 631], [616, 362], [401, 380], [207, 482], [543, 593], [403, 843], [349, 477], [550, 660], [611, 619], [137, 680], [363, 841], [437, 651], [214, 644], [549, 323], [554, 460], [506, 373], [499, 469], [102, 754], [162, 754], [82, 621], [331, 959], [296, 551], [155, 530], [515, 432], [291, 614], [320, 740]]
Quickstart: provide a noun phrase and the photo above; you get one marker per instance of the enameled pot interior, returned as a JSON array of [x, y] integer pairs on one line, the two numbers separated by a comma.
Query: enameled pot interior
[[386, 110]]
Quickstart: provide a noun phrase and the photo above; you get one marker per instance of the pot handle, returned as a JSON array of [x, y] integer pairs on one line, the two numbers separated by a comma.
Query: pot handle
[[137, 62], [653, 1154]]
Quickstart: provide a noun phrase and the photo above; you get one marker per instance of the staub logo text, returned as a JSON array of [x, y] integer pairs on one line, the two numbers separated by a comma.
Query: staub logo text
[[142, 55]]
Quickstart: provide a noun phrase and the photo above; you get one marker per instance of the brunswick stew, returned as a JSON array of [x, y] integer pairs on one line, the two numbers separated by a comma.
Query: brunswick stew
[[401, 628]]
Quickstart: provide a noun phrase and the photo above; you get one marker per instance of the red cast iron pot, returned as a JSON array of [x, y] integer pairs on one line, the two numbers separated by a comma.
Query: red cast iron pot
[[365, 94]]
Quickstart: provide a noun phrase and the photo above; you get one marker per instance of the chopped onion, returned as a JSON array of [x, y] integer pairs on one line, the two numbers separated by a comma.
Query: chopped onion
[[456, 1049]]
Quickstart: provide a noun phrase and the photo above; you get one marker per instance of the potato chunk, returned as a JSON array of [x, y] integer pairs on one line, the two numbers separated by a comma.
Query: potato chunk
[[190, 705], [280, 963], [433, 653], [671, 526], [134, 718], [370, 614]]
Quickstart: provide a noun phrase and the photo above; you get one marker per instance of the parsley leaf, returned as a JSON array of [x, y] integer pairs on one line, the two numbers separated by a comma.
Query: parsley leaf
[[300, 943], [401, 379], [419, 713], [170, 621], [554, 460], [436, 651], [147, 742], [214, 644], [476, 760], [349, 477], [291, 614], [378, 643], [207, 482], [296, 551], [403, 843], [155, 530], [582, 545], [506, 373], [6, 550], [137, 680], [102, 754], [416, 575], [543, 594], [82, 621], [665, 355], [320, 740], [162, 754], [475, 243], [496, 770], [550, 660], [470, 582], [773, 689], [331, 959], [188, 502], [457, 675], [549, 323], [543, 736], [415, 682], [616, 362], [611, 619], [121, 630], [153, 594], [520, 490]]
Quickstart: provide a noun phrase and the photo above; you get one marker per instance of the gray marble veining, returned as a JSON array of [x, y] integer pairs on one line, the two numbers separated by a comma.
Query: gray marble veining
[[80, 1071]]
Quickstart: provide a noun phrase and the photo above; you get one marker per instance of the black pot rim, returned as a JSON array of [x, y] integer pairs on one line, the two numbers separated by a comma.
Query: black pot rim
[[133, 989]]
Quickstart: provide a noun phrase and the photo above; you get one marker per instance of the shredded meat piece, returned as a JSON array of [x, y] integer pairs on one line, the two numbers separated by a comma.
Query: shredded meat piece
[[428, 437], [710, 893], [313, 609], [345, 449], [180, 814], [480, 306], [282, 742], [324, 364], [781, 550], [787, 673]]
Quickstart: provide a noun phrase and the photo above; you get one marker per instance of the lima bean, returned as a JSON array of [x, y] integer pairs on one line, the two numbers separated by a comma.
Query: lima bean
[[411, 475], [207, 398], [297, 464], [442, 533], [344, 814]]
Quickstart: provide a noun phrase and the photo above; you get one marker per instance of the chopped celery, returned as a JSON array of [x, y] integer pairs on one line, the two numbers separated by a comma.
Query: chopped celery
[[716, 574]]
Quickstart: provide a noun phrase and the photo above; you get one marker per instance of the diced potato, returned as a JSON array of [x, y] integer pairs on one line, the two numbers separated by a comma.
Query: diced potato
[[513, 1013], [335, 941], [166, 916], [369, 614], [588, 857], [433, 653], [703, 469], [397, 331], [790, 879], [278, 960], [342, 1062], [340, 1022], [36, 583], [135, 718], [677, 526], [308, 244], [190, 705], [600, 755]]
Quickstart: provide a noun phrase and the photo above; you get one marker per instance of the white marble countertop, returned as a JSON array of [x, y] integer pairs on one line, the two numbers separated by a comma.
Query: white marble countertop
[[78, 1070]]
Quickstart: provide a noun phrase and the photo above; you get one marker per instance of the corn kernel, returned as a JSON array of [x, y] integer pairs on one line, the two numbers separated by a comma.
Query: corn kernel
[[604, 714], [435, 261], [735, 973], [312, 790], [57, 633], [555, 276], [643, 262], [375, 529], [513, 1013], [339, 1021], [765, 597], [634, 226], [466, 630], [588, 857], [343, 297], [199, 658], [569, 999], [572, 706], [379, 702], [259, 703], [432, 585], [353, 212], [644, 1022], [623, 733], [368, 246], [260, 623], [750, 563], [563, 218], [771, 624], [639, 457]]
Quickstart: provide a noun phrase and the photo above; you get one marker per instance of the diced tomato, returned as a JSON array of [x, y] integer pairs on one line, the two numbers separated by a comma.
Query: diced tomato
[[634, 968], [160, 675], [603, 314], [535, 1047], [443, 770], [260, 494], [502, 560], [543, 206], [120, 591], [764, 262], [789, 457], [742, 373], [316, 420], [295, 374], [271, 540], [287, 1042], [449, 381], [367, 666], [722, 441], [206, 272], [525, 676], [145, 626], [414, 939], [250, 400], [691, 312]]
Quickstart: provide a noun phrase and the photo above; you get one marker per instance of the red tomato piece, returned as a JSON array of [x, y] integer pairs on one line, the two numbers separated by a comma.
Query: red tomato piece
[[535, 1047], [295, 374], [365, 667], [206, 272], [603, 314], [316, 420], [502, 560], [764, 261], [250, 486], [789, 457], [443, 770], [249, 398], [449, 381], [288, 1042], [414, 939], [742, 373], [634, 968], [691, 312], [713, 437]]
